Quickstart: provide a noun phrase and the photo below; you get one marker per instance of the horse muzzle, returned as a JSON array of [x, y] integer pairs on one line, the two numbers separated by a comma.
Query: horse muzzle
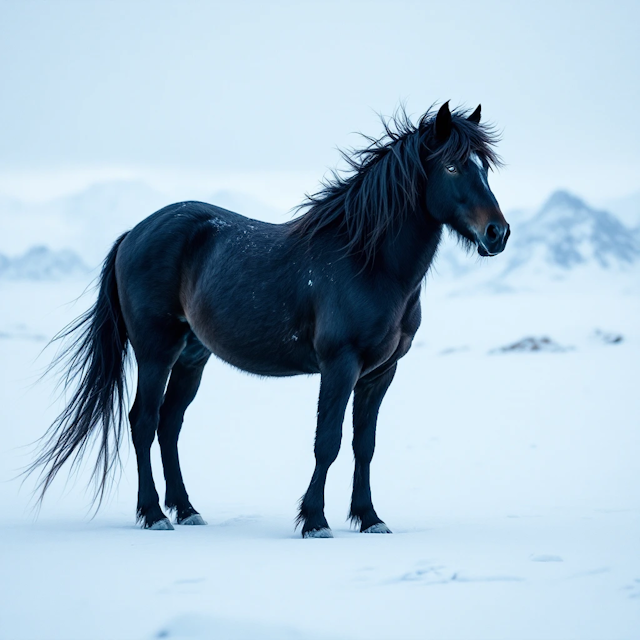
[[494, 239]]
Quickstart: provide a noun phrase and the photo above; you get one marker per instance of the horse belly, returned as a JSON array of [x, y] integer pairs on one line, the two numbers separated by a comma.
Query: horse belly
[[264, 360], [259, 345]]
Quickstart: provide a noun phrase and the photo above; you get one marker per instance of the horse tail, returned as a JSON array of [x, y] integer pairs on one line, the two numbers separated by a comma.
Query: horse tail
[[95, 358]]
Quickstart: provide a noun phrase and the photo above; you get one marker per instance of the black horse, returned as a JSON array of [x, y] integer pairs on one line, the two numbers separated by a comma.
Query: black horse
[[335, 291]]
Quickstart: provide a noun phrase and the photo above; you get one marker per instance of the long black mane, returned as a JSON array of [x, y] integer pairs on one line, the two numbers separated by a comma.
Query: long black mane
[[384, 179]]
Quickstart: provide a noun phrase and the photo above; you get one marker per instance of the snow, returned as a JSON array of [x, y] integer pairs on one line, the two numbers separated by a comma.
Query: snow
[[509, 480]]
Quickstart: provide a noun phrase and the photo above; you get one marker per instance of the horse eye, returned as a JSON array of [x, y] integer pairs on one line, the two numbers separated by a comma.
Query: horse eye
[[451, 169]]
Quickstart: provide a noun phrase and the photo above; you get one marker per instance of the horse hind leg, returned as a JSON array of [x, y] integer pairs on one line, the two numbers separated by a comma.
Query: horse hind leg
[[183, 386], [155, 361]]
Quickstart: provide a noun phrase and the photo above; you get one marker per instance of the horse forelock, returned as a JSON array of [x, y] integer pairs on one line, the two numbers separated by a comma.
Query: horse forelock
[[381, 187], [466, 138]]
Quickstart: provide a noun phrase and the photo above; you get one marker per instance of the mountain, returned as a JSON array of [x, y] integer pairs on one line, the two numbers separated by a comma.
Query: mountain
[[90, 221], [567, 233], [41, 263]]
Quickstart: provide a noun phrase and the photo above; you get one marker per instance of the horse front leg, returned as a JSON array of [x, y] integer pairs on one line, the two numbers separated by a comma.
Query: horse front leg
[[368, 396], [338, 378]]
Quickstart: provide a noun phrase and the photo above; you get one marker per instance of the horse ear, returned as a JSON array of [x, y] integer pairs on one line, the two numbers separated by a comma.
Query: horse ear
[[443, 122], [475, 116]]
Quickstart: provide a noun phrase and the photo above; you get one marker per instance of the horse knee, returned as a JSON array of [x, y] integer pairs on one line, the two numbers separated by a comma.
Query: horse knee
[[363, 452], [327, 452]]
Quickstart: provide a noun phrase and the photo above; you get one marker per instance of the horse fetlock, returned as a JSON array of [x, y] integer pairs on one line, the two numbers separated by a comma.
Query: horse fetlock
[[182, 508], [161, 525], [324, 532], [192, 520], [366, 517], [313, 521], [152, 517], [379, 527]]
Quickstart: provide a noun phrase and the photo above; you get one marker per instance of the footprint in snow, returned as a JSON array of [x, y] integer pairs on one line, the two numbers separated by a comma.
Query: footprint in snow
[[450, 350], [440, 575], [205, 627], [545, 557], [428, 575], [633, 589], [240, 520], [184, 586]]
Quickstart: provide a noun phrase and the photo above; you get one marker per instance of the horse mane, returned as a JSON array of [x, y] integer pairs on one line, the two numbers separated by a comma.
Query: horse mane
[[381, 186]]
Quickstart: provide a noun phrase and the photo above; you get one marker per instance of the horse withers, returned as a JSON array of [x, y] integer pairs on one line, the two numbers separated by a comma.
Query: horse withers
[[335, 291]]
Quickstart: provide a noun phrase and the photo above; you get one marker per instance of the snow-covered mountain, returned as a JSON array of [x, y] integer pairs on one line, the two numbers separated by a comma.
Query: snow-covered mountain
[[89, 221], [568, 233], [41, 263]]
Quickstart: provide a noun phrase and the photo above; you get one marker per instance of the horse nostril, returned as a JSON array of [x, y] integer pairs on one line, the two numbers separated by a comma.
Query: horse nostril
[[492, 231]]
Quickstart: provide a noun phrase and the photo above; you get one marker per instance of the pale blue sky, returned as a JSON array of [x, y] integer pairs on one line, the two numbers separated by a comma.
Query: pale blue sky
[[219, 91]]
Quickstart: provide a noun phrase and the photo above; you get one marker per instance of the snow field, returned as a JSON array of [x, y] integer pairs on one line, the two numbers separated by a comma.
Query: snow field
[[509, 480]]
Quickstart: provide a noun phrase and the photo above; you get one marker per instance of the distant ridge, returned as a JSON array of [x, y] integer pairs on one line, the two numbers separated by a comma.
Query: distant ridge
[[567, 233], [90, 220], [41, 263]]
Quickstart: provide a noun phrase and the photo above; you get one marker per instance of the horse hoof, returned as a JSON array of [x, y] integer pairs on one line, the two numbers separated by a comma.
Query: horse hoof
[[380, 527], [193, 519], [318, 533], [161, 525]]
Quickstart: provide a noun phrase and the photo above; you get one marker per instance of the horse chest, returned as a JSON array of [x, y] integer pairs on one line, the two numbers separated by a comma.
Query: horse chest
[[395, 342], [383, 342]]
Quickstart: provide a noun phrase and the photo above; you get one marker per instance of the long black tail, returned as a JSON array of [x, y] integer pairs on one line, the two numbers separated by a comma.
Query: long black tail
[[94, 357]]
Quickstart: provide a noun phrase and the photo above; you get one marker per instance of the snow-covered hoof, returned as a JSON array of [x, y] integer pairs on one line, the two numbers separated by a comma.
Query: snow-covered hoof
[[318, 533], [161, 525], [193, 519], [379, 527]]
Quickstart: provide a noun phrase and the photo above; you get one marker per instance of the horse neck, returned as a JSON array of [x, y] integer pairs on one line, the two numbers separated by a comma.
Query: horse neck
[[407, 253]]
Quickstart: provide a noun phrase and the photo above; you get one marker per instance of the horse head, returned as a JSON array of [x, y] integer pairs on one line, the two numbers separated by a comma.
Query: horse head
[[457, 190]]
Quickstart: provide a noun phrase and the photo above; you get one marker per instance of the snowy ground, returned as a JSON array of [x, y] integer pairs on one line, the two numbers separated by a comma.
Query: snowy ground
[[510, 481]]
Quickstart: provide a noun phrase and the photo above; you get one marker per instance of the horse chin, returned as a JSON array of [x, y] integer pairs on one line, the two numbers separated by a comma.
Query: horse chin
[[484, 253]]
